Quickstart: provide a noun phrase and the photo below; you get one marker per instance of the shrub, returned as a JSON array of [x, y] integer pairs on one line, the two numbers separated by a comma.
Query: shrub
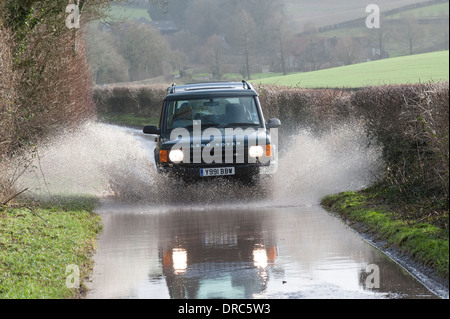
[[411, 122], [8, 110], [45, 83], [135, 99], [8, 94]]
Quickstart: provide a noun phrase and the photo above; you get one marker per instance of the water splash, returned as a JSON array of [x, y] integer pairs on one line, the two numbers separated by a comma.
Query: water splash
[[97, 159], [316, 165], [106, 160]]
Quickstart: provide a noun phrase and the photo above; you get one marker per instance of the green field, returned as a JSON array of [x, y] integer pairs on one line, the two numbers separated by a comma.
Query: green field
[[420, 68], [434, 10], [126, 13]]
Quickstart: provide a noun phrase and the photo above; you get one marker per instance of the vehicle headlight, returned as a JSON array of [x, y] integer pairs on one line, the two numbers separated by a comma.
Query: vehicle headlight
[[176, 156], [256, 151]]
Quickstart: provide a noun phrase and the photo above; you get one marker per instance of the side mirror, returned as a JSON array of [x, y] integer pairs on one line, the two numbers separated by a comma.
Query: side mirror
[[152, 129], [273, 123]]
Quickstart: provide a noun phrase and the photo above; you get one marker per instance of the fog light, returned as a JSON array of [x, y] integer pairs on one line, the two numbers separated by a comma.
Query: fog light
[[256, 151], [176, 156]]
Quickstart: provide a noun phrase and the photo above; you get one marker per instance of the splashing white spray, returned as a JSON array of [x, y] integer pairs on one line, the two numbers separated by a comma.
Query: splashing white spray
[[315, 166], [98, 159], [106, 160]]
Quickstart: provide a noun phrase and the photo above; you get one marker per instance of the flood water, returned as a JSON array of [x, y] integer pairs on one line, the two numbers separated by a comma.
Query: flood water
[[239, 252], [162, 239]]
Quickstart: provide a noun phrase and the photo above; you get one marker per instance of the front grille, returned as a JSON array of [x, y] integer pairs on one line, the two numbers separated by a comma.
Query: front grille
[[238, 156]]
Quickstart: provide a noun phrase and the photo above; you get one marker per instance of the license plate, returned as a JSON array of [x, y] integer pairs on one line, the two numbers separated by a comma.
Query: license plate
[[219, 171]]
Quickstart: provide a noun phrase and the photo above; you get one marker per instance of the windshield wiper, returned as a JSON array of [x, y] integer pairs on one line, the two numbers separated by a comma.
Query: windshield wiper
[[206, 125], [191, 127], [239, 124]]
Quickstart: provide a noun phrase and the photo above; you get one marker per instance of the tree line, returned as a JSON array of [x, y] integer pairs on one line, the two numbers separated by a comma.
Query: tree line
[[226, 36], [242, 37]]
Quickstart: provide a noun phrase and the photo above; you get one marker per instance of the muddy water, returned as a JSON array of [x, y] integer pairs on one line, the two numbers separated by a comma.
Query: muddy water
[[219, 240]]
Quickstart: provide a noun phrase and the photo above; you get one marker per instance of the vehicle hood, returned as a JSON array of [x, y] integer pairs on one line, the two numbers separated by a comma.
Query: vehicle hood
[[250, 136]]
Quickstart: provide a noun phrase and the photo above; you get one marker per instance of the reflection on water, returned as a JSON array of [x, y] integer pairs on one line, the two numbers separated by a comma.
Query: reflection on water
[[178, 262], [215, 254], [202, 253]]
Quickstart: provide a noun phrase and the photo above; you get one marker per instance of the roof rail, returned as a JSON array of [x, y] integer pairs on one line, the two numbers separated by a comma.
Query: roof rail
[[247, 85], [171, 89]]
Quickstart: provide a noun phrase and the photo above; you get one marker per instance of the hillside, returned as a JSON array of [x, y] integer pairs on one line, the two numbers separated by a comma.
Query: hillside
[[204, 47], [321, 13], [408, 69], [328, 12]]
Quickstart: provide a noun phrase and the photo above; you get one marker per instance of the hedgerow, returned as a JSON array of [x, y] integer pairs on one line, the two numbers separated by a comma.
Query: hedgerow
[[410, 122]]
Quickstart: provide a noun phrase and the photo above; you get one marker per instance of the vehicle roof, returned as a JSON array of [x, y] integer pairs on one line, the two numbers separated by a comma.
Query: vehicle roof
[[210, 88]]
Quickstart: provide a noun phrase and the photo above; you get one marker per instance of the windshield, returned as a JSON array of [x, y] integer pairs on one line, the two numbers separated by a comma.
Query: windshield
[[213, 112]]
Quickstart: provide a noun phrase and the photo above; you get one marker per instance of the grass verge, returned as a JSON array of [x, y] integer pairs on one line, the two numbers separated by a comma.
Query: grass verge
[[426, 241], [39, 241]]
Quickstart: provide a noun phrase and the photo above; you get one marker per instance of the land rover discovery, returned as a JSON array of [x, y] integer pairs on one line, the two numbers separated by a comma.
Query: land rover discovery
[[215, 129]]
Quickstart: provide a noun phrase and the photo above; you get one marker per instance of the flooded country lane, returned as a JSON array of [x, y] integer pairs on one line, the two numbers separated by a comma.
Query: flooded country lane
[[162, 239], [240, 252]]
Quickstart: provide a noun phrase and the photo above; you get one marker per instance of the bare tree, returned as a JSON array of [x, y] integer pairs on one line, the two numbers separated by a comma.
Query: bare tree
[[348, 50], [311, 34], [281, 35], [379, 38], [242, 33], [107, 65], [213, 51], [144, 48], [203, 18], [411, 32]]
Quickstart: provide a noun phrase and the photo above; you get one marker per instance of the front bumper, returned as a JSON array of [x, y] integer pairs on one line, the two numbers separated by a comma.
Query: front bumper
[[241, 171]]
